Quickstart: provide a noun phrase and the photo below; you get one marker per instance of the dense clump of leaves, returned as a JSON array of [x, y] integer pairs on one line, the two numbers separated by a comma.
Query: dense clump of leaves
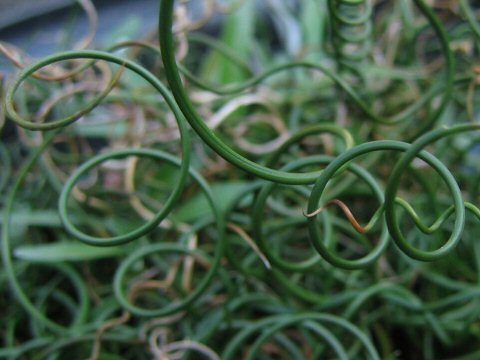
[[271, 180]]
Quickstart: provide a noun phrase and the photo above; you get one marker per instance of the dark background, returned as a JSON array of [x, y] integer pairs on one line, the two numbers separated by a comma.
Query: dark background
[[46, 26]]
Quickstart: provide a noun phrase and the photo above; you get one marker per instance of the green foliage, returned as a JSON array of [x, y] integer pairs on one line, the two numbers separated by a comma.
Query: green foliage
[[273, 180]]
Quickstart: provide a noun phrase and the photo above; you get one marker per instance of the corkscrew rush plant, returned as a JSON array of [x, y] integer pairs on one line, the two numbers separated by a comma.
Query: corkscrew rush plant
[[257, 180]]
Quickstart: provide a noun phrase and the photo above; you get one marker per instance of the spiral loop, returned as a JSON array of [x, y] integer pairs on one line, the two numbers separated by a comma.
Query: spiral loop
[[351, 30]]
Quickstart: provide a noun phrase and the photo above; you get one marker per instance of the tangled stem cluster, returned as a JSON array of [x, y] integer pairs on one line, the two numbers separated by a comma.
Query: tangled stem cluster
[[303, 185]]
